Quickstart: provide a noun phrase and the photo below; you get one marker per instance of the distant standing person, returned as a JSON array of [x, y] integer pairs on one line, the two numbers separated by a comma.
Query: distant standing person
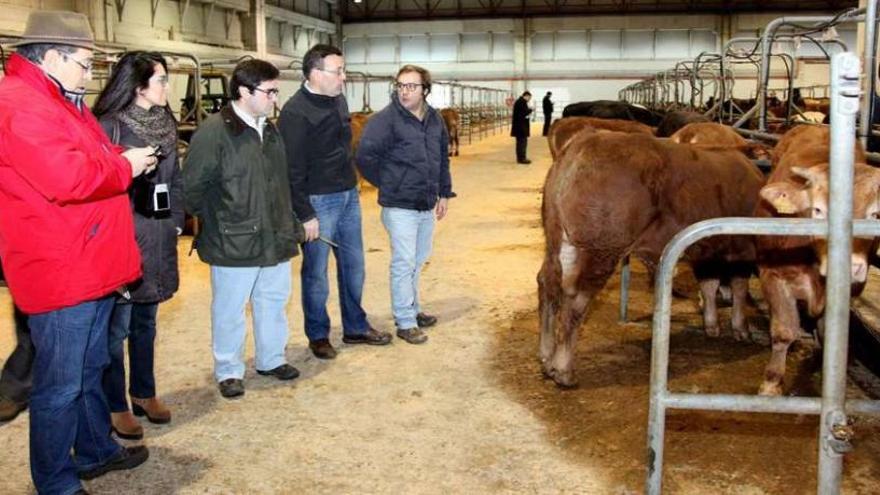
[[403, 152], [520, 126], [316, 128], [235, 181], [548, 112], [133, 110]]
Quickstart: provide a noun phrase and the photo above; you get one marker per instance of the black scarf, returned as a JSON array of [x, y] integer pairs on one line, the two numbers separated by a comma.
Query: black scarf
[[155, 126]]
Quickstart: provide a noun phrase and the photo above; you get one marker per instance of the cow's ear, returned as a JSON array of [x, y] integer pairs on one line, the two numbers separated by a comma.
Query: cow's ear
[[785, 197], [814, 174]]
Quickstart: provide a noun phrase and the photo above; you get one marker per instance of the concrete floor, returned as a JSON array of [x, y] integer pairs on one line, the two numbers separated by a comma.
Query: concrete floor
[[405, 419]]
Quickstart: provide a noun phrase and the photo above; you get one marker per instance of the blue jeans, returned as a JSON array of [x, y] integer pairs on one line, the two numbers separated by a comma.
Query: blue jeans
[[68, 408], [411, 233], [137, 323], [268, 288], [339, 217]]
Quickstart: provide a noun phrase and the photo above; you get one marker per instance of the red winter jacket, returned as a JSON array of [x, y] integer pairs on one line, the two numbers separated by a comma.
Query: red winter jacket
[[66, 230]]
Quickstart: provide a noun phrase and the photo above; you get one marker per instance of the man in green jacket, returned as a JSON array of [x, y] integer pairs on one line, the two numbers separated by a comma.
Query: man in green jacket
[[235, 181]]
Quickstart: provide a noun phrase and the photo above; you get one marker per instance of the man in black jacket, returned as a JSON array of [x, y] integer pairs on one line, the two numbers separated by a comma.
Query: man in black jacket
[[403, 152], [548, 112], [520, 126], [316, 128]]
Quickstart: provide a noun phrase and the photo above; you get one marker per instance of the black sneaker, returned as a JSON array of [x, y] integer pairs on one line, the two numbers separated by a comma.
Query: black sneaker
[[425, 320], [231, 387], [283, 372], [128, 458], [413, 335], [371, 337]]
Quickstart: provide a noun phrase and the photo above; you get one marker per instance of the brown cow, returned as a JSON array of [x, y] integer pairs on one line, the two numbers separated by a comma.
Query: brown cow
[[563, 130], [358, 121], [711, 135], [806, 145], [792, 268], [822, 105], [613, 194], [673, 121], [453, 123]]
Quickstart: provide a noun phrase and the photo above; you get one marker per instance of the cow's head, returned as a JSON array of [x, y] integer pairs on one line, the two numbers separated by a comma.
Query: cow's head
[[809, 199]]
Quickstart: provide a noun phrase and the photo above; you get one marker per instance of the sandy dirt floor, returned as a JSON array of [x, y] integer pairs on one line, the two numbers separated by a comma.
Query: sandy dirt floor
[[469, 411]]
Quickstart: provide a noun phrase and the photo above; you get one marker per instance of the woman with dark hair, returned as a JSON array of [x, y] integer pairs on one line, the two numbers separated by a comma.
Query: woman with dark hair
[[133, 110]]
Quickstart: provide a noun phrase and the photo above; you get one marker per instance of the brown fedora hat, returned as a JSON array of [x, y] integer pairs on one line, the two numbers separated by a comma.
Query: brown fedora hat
[[59, 27]]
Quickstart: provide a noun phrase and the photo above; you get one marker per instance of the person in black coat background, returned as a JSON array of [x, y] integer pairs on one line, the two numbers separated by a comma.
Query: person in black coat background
[[548, 112], [520, 126]]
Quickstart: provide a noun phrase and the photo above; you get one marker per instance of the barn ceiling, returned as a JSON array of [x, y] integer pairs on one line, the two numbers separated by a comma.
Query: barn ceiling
[[390, 10]]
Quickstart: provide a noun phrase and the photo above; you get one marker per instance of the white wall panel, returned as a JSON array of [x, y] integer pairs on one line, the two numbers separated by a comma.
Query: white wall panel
[[382, 49], [673, 44], [444, 47], [572, 45], [273, 34], [355, 50], [475, 47], [542, 46], [703, 41], [605, 44], [502, 46], [414, 49], [638, 44]]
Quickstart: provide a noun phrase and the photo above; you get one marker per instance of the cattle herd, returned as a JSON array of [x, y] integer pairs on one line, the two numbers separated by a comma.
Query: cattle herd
[[616, 189]]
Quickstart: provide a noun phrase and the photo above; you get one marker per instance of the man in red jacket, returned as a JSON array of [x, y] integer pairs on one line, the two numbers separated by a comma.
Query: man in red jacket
[[66, 243]]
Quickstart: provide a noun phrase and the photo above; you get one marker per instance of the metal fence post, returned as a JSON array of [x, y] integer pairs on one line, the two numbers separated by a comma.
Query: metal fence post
[[834, 432]]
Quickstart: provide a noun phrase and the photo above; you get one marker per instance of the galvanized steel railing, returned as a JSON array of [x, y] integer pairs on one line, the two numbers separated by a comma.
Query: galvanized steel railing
[[839, 229]]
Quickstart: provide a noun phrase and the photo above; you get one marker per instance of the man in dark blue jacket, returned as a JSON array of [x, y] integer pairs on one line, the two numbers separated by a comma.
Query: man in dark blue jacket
[[403, 152]]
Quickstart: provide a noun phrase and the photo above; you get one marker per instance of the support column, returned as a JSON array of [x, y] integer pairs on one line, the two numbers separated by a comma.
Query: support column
[[101, 17], [520, 55], [338, 37], [253, 27]]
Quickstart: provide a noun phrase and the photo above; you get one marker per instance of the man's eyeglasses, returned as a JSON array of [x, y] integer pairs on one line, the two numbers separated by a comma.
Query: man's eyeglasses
[[339, 72], [85, 65], [409, 87], [269, 92]]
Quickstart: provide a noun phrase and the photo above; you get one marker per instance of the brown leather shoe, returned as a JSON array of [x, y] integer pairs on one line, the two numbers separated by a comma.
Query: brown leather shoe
[[371, 336], [152, 408], [413, 335], [126, 426], [322, 349], [9, 409], [424, 320]]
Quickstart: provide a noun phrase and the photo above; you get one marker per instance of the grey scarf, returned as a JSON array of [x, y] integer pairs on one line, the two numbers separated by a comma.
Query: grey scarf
[[155, 126]]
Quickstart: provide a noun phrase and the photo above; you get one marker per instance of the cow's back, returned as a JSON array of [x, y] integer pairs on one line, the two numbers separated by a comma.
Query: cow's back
[[563, 130], [704, 184], [599, 177], [710, 134], [673, 121]]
